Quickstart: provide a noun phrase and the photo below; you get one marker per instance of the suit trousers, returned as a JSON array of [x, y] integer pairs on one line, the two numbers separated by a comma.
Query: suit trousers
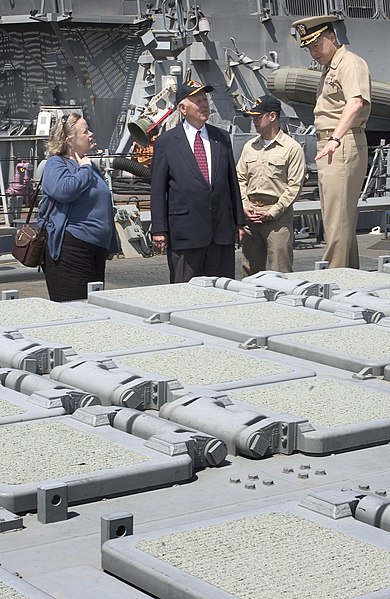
[[79, 263], [212, 261], [340, 184], [273, 240]]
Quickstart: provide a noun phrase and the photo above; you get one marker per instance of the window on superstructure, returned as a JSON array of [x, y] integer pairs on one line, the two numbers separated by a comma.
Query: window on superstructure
[[305, 8], [360, 9]]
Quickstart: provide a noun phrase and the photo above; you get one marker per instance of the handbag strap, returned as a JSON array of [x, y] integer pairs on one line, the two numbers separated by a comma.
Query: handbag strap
[[33, 201]]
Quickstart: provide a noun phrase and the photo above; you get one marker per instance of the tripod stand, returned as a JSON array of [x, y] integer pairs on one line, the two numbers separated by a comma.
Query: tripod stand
[[376, 182]]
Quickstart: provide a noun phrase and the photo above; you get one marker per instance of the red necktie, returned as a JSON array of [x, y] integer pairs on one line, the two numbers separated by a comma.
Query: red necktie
[[200, 155]]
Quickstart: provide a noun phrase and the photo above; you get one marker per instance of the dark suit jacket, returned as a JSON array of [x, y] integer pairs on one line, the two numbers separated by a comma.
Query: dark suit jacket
[[191, 211]]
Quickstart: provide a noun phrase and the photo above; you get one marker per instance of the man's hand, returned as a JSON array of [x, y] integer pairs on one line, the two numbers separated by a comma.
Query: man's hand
[[240, 235], [328, 150], [160, 241], [259, 216]]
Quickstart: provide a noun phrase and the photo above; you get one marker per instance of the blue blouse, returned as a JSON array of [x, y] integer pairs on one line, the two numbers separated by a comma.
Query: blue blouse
[[82, 205]]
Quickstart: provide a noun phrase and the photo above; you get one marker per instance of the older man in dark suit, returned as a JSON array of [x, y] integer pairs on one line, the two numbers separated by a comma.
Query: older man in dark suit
[[196, 207]]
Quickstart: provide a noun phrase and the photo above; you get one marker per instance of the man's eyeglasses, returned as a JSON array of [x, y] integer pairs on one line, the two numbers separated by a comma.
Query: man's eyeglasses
[[259, 116]]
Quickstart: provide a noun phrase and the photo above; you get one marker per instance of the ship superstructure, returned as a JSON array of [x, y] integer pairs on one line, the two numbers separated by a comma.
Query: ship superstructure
[[120, 63]]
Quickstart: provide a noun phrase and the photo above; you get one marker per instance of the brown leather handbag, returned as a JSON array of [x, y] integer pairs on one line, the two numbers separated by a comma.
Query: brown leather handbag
[[29, 243]]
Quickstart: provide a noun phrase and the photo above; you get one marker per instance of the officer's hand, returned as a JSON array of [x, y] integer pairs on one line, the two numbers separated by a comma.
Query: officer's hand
[[249, 212], [328, 150], [252, 215], [263, 217]]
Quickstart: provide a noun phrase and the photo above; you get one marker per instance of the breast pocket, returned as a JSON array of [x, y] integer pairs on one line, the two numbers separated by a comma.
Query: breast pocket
[[333, 90], [252, 165], [276, 167]]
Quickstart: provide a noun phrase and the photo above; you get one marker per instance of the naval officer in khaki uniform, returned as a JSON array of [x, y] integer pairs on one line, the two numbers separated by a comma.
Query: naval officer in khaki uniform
[[270, 173], [340, 116]]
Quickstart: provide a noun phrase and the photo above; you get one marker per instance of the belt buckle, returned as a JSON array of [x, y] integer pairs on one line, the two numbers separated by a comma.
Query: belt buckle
[[324, 134]]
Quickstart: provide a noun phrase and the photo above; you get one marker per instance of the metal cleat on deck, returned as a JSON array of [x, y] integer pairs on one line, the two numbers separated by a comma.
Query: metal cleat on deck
[[368, 508], [334, 307], [245, 432], [241, 287], [69, 399], [374, 511], [163, 435], [290, 300], [45, 392], [364, 374], [278, 282], [203, 281], [117, 386], [333, 503], [377, 306], [18, 352]]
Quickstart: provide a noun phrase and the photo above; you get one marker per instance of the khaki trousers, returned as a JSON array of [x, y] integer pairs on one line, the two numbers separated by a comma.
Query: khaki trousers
[[340, 184], [273, 240]]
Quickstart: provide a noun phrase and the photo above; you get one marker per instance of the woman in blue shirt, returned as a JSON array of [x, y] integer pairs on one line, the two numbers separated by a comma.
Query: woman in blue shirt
[[76, 203]]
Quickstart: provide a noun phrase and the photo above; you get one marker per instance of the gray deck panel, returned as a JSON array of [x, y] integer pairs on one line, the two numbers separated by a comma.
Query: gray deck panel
[[39, 552], [228, 330], [314, 438], [287, 344], [122, 558], [370, 281], [146, 310], [294, 371], [158, 470], [21, 586], [89, 315], [86, 582], [29, 411], [185, 338]]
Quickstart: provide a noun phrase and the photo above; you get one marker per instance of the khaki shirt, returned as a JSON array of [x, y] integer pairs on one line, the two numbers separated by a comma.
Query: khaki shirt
[[346, 77], [271, 177]]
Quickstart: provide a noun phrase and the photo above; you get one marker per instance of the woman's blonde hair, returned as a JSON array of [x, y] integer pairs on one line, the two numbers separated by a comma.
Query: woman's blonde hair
[[64, 127]]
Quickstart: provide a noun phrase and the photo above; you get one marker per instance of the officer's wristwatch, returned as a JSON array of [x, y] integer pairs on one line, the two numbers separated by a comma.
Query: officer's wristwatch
[[336, 139]]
